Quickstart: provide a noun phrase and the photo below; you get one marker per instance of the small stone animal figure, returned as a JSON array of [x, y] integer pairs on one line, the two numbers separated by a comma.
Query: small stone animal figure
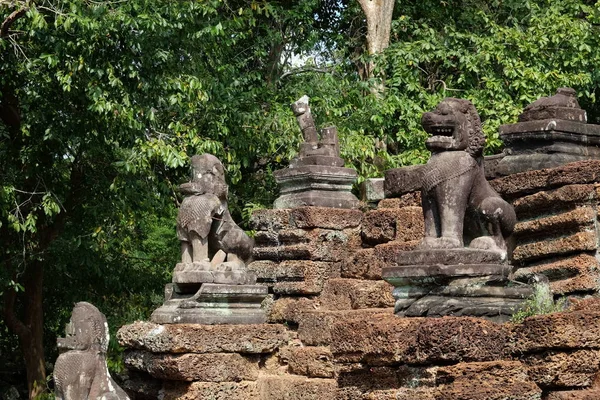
[[80, 372], [454, 185], [204, 225]]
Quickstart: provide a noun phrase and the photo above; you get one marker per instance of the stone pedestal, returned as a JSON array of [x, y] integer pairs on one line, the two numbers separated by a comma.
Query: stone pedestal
[[316, 185], [459, 282], [209, 303]]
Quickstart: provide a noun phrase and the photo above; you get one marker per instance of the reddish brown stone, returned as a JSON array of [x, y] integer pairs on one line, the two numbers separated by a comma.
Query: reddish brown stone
[[212, 367], [290, 387], [553, 369], [574, 273], [289, 309], [564, 198], [495, 380], [566, 330], [531, 181], [364, 264], [576, 220], [385, 339], [580, 241], [346, 294], [315, 326], [388, 252], [327, 218], [406, 200], [590, 304], [402, 394], [210, 390], [270, 219], [314, 362], [590, 394], [384, 225], [184, 338]]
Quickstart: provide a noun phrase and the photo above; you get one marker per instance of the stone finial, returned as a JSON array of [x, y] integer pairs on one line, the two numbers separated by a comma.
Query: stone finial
[[563, 105], [80, 372]]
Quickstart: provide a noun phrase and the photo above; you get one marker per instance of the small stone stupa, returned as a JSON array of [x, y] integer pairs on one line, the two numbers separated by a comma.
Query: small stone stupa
[[317, 176], [211, 284], [443, 276]]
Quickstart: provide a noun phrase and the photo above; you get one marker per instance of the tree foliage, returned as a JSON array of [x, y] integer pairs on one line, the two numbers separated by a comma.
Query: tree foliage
[[102, 103]]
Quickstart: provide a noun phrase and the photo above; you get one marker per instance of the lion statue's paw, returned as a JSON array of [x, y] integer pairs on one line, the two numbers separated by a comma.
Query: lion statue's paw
[[443, 242], [486, 243]]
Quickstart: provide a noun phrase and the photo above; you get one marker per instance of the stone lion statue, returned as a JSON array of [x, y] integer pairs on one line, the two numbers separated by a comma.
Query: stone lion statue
[[458, 202], [204, 226], [80, 371]]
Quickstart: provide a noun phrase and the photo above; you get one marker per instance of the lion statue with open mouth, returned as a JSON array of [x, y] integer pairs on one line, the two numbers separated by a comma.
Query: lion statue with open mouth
[[459, 204]]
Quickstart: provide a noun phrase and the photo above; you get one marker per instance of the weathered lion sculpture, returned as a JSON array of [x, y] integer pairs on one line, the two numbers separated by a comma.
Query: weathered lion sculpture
[[458, 202], [204, 225], [80, 372]]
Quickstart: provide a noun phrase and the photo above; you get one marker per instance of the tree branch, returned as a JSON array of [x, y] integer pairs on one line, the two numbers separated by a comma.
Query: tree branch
[[303, 70], [10, 319], [15, 15]]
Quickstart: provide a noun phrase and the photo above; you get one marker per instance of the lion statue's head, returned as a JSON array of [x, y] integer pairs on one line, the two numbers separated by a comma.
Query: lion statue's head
[[454, 125], [87, 330], [208, 176]]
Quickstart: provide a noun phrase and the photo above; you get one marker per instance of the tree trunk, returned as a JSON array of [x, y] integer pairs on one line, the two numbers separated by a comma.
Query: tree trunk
[[29, 330], [379, 24]]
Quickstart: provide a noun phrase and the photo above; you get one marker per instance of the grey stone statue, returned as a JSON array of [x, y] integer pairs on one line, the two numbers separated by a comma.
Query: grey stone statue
[[457, 199], [209, 237], [80, 372]]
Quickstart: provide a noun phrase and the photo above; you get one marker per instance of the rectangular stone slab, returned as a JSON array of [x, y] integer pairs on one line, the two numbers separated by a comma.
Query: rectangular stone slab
[[449, 257], [409, 274]]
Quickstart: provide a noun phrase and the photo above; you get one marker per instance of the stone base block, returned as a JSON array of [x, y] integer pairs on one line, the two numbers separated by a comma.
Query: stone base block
[[214, 304], [449, 257], [317, 198], [454, 275]]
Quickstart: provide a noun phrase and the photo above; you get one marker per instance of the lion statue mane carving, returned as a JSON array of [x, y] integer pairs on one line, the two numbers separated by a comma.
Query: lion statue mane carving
[[458, 202], [204, 226], [80, 371]]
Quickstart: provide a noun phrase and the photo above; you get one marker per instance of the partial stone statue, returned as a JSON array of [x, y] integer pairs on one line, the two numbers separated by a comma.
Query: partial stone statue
[[211, 284], [453, 185], [317, 176], [80, 372], [211, 242]]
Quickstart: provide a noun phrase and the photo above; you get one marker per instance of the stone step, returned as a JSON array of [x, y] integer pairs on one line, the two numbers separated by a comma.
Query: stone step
[[577, 220], [294, 277], [574, 243], [384, 225], [561, 199], [352, 294], [574, 273]]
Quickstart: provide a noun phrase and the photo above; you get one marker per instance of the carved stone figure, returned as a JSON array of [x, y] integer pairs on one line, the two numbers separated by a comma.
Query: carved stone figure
[[454, 185], [80, 372], [204, 226]]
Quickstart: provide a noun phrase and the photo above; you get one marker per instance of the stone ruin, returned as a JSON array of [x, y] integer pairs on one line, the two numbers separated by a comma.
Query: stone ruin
[[331, 328], [80, 372], [317, 176], [211, 284]]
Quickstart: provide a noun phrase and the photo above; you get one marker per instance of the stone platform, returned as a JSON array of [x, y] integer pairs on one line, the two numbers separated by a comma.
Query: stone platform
[[459, 282], [211, 304]]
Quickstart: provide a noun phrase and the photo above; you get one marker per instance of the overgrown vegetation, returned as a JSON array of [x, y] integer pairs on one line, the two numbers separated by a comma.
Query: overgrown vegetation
[[540, 303], [102, 102]]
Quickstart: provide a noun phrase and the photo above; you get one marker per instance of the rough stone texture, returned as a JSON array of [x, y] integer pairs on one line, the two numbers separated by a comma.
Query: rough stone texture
[[575, 273], [563, 198], [371, 190], [295, 388], [184, 338], [495, 380], [384, 340], [580, 241], [558, 331], [581, 218], [210, 390], [210, 367], [591, 394], [412, 199], [346, 294], [314, 362], [389, 252], [315, 326], [289, 309], [294, 277], [270, 219], [552, 369], [533, 181], [448, 257], [326, 218], [400, 181], [364, 264], [141, 386], [384, 225]]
